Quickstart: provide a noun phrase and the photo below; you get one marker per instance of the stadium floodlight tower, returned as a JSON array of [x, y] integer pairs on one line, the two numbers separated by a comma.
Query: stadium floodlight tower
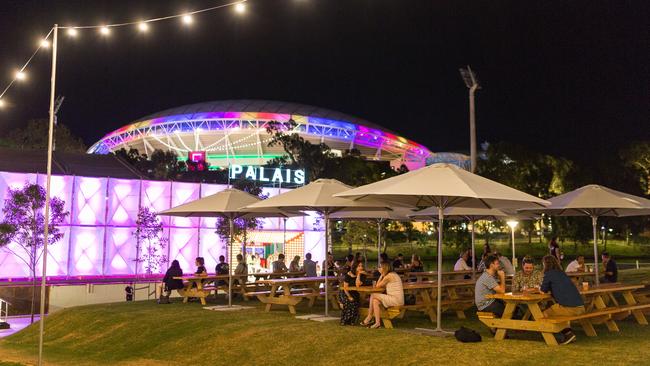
[[471, 81]]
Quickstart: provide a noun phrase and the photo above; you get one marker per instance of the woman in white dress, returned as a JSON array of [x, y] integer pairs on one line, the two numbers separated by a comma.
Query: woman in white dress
[[394, 295]]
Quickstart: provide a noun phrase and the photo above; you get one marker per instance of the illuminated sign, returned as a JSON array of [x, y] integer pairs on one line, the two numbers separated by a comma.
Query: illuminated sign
[[196, 156], [270, 175]]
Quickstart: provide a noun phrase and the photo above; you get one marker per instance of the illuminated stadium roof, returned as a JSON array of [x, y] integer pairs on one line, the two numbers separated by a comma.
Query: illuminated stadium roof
[[235, 131]]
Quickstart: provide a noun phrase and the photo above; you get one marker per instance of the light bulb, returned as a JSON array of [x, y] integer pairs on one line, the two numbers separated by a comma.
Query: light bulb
[[72, 32], [45, 43], [143, 26], [2, 103], [20, 75], [240, 8], [104, 31], [187, 19]]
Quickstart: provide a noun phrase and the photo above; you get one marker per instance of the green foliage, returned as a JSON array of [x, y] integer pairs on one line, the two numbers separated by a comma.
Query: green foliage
[[637, 157], [34, 136], [162, 165], [359, 233], [150, 241], [242, 225]]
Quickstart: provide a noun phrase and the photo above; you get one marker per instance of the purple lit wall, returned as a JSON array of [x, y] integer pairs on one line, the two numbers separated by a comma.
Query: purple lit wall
[[98, 233]]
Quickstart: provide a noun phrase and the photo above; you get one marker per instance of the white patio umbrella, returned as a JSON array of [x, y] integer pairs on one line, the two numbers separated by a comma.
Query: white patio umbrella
[[318, 196], [596, 201], [443, 186], [397, 214], [227, 204]]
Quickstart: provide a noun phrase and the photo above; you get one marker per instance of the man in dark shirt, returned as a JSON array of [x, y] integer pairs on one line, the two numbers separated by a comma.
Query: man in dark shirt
[[564, 292], [221, 269], [398, 262], [611, 269]]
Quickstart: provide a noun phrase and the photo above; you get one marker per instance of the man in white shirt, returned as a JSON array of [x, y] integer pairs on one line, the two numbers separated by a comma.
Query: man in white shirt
[[461, 264], [577, 265]]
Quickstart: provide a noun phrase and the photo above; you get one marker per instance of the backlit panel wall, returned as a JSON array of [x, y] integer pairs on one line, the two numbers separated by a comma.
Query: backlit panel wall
[[98, 234]]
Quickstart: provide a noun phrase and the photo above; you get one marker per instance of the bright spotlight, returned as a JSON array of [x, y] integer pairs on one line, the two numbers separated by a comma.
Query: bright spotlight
[[20, 75], [240, 8], [104, 31], [143, 26], [187, 19], [2, 103], [72, 32], [45, 43]]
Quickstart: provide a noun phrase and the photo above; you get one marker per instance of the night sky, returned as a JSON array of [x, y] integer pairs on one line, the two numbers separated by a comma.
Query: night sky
[[565, 77]]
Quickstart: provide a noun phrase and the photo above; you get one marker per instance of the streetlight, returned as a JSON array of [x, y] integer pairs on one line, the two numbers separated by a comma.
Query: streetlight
[[513, 224], [469, 77]]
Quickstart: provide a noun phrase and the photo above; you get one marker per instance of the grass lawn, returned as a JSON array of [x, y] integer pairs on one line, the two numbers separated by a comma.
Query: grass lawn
[[144, 333]]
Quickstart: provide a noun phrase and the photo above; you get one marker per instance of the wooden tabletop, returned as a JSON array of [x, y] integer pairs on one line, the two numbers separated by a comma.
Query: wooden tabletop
[[280, 281], [520, 297], [210, 278], [609, 287], [275, 274], [370, 289], [435, 273]]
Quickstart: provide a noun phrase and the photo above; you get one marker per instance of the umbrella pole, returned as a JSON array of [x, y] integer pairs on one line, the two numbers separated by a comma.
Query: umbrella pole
[[378, 242], [232, 230], [327, 239], [473, 252], [441, 215], [594, 223]]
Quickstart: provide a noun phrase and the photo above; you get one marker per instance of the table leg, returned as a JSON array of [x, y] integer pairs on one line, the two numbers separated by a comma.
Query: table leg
[[429, 305], [638, 314], [599, 303], [537, 314], [507, 314]]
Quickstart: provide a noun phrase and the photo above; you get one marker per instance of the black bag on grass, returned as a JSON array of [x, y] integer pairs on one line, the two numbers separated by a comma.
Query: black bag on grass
[[409, 300], [467, 335]]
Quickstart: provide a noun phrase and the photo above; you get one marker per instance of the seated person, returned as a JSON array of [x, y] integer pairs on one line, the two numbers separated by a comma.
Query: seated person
[[461, 263], [279, 266], [528, 279], [309, 266], [169, 282], [394, 295], [200, 267], [241, 269], [577, 265], [221, 269], [398, 262], [329, 265], [568, 301], [416, 264], [611, 269], [506, 265], [294, 266], [481, 264], [492, 281]]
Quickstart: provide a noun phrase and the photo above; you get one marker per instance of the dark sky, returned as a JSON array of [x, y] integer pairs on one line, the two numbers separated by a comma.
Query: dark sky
[[565, 77]]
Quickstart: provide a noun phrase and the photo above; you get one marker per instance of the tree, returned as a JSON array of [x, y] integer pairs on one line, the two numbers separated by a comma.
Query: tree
[[162, 165], [34, 136], [637, 157], [359, 232], [150, 244], [24, 224]]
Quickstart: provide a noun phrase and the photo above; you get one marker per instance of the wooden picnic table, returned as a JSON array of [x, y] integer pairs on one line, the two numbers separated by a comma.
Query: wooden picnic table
[[276, 275], [596, 306], [433, 275], [290, 291], [202, 286]]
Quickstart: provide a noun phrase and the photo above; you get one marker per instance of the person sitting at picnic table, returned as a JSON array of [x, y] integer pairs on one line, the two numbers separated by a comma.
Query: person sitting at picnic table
[[481, 264], [611, 269], [294, 266], [528, 279], [394, 295], [351, 299], [506, 265], [491, 281], [461, 263], [358, 257], [398, 262], [200, 267], [416, 264], [279, 266], [241, 269], [568, 301], [577, 265], [309, 266], [329, 265], [169, 282], [221, 269]]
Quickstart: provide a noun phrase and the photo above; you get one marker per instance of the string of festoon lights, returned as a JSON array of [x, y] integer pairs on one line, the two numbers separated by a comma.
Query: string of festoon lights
[[143, 26]]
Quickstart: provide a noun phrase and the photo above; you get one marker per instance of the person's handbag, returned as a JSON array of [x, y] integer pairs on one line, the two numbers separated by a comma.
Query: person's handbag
[[467, 335]]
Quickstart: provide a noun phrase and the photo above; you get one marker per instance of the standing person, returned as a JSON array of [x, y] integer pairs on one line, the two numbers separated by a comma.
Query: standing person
[[222, 268], [351, 299], [611, 269], [294, 266], [309, 266], [492, 281], [169, 282], [394, 295], [398, 262], [329, 265], [279, 266], [554, 248], [577, 265], [568, 301], [528, 279]]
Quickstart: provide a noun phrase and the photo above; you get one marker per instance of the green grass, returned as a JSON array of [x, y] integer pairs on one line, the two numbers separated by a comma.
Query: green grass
[[144, 333]]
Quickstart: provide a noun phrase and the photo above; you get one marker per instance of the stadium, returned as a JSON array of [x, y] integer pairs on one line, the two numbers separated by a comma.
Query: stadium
[[234, 132]]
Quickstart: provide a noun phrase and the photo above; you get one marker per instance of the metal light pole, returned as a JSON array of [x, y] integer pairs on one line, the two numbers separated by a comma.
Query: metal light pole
[[469, 77], [47, 193], [513, 225]]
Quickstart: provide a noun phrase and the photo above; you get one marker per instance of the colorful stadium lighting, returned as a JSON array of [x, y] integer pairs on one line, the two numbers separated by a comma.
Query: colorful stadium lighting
[[187, 19], [45, 43], [143, 27], [72, 32], [104, 31], [240, 8], [20, 75]]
